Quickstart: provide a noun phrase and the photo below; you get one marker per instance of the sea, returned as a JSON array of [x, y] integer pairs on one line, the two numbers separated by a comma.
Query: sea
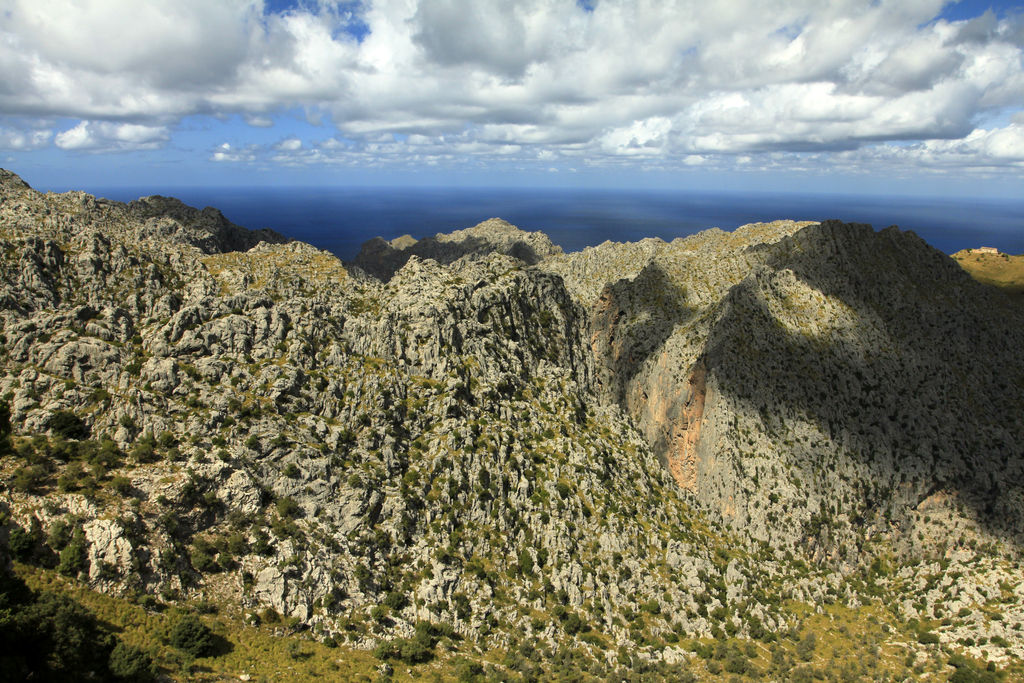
[[341, 219]]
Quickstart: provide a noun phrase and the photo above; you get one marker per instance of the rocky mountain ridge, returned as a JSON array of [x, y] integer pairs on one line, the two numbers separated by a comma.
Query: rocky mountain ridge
[[616, 449]]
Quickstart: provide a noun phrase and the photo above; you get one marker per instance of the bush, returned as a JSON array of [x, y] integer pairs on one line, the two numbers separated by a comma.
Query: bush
[[415, 650], [192, 636], [73, 557], [463, 607], [736, 663], [121, 484], [59, 535], [144, 449], [237, 545], [928, 638], [805, 648], [202, 556], [131, 664], [66, 424], [288, 508], [21, 543], [5, 429], [968, 673], [396, 600], [525, 563], [64, 637], [71, 479], [468, 671], [29, 478]]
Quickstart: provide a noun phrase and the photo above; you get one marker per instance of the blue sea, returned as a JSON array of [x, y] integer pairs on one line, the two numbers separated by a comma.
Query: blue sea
[[340, 220]]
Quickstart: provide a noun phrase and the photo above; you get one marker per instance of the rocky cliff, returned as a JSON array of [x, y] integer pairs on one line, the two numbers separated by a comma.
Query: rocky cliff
[[616, 449]]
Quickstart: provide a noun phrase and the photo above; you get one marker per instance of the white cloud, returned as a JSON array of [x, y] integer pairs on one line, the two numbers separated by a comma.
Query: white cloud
[[225, 153], [289, 145], [981, 147], [22, 140], [675, 80], [639, 138], [106, 136]]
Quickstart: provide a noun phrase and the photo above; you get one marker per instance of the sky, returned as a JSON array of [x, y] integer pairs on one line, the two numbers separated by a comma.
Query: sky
[[920, 97]]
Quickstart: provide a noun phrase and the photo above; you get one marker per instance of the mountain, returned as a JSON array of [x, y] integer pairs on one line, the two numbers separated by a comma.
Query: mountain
[[663, 460]]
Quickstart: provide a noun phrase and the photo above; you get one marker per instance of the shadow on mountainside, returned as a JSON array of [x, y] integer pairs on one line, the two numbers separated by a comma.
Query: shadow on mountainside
[[926, 391], [630, 321]]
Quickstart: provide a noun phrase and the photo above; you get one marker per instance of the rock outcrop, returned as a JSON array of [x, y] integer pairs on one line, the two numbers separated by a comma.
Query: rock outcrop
[[382, 258]]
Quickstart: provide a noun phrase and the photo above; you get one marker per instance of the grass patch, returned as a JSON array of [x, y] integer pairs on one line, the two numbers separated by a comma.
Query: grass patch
[[1004, 271]]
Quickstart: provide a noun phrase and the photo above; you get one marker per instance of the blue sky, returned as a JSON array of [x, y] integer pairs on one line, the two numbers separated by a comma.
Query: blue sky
[[903, 96]]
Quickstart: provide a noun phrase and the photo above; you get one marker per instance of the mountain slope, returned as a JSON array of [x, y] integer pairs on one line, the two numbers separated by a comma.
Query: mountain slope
[[813, 384], [476, 443]]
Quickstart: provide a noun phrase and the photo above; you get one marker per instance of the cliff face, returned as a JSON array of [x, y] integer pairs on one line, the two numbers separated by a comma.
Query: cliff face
[[480, 430]]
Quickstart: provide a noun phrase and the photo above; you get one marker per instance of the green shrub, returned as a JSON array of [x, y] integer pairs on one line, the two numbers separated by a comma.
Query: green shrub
[[144, 449], [66, 424], [71, 479], [22, 543], [192, 636], [74, 558], [525, 563], [133, 664], [121, 485], [572, 624], [237, 545], [396, 600], [288, 508], [57, 638], [468, 671], [28, 479], [805, 648], [5, 429], [736, 662], [59, 535], [968, 673], [463, 608], [202, 556]]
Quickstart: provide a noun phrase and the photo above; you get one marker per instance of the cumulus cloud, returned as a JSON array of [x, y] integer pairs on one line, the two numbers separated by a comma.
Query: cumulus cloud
[[981, 147], [289, 145], [106, 136], [22, 140], [225, 153], [675, 80]]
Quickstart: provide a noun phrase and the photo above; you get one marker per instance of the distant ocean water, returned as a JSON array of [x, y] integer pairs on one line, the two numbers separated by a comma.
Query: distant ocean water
[[340, 220]]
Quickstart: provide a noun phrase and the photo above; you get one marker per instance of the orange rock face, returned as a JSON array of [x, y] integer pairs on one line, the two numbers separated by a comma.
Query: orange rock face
[[682, 447]]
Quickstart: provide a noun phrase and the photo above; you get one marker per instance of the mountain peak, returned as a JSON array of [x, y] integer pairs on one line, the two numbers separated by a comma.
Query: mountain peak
[[383, 259], [11, 183]]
